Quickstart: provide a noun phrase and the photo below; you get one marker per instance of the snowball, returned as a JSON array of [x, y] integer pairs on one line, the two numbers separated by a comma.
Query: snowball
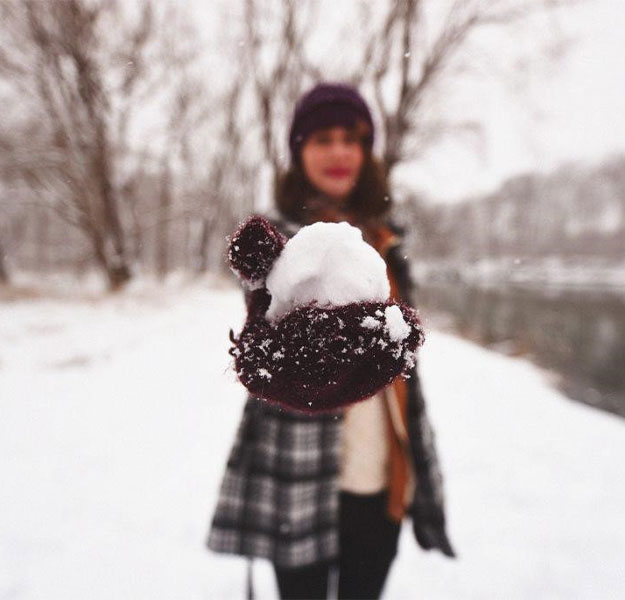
[[398, 329], [329, 263]]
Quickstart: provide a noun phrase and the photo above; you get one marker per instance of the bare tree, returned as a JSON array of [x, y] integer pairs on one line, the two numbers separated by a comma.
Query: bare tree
[[228, 193], [278, 80], [185, 116], [86, 68], [406, 58]]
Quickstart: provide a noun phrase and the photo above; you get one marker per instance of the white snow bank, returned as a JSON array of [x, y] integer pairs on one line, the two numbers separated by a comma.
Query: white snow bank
[[117, 417], [329, 263]]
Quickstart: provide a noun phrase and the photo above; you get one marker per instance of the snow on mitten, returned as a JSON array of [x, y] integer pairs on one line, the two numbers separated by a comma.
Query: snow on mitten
[[321, 331]]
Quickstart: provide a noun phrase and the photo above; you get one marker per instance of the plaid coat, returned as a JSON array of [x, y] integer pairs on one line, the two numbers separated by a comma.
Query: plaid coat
[[279, 497]]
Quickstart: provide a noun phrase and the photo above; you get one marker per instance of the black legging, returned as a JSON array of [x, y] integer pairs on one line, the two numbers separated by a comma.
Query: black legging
[[368, 544]]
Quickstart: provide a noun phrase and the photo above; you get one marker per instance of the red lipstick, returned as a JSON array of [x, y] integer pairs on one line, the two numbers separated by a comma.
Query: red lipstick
[[338, 172]]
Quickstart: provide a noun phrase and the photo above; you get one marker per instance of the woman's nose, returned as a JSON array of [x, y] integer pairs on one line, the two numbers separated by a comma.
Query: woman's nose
[[339, 148]]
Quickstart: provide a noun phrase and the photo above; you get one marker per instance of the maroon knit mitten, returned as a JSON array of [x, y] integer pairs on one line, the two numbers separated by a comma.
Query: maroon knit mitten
[[313, 359]]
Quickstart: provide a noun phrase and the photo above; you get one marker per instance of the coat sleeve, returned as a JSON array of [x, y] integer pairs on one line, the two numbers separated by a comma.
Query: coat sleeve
[[427, 509]]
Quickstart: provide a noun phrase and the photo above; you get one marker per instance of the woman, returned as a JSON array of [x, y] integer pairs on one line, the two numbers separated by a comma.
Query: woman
[[313, 493]]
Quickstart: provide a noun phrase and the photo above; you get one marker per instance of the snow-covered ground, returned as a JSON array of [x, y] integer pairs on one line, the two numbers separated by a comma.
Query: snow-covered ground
[[117, 414]]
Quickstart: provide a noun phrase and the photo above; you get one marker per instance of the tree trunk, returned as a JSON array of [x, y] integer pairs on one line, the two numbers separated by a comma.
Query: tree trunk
[[42, 241], [117, 274], [162, 228], [202, 253], [4, 274], [116, 259]]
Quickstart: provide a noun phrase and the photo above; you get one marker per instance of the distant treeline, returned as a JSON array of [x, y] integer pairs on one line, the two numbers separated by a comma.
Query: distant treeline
[[574, 213], [180, 228]]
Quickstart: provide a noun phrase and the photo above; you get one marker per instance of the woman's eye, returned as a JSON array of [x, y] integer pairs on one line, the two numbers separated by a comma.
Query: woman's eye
[[325, 139]]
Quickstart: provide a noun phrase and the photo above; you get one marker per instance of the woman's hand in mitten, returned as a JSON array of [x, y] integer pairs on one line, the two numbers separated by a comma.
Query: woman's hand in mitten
[[429, 528], [320, 334]]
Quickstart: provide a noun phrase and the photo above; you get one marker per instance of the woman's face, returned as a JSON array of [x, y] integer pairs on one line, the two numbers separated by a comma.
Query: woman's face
[[332, 159]]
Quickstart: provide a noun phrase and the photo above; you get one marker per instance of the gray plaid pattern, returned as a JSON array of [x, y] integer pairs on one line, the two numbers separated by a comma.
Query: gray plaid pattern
[[279, 497]]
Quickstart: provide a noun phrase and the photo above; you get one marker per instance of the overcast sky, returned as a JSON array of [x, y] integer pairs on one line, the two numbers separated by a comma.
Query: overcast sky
[[554, 112]]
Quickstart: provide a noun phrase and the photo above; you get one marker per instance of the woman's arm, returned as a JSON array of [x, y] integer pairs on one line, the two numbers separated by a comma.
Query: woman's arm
[[427, 509]]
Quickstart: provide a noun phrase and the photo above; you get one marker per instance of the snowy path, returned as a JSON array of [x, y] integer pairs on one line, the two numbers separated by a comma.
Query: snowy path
[[117, 414]]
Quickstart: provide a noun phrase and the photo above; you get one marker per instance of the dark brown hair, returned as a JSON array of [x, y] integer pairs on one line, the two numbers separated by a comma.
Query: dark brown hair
[[370, 197]]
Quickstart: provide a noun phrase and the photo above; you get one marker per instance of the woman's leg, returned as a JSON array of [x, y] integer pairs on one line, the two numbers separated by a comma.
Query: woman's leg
[[368, 544], [304, 583]]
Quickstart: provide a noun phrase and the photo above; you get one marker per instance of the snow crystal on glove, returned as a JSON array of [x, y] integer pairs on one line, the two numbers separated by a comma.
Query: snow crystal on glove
[[398, 329]]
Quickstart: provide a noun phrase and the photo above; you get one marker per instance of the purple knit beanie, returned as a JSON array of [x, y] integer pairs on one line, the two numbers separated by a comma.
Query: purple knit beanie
[[327, 105]]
